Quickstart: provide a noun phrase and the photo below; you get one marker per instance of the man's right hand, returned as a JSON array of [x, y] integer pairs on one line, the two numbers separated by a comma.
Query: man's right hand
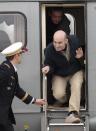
[[45, 69], [40, 102]]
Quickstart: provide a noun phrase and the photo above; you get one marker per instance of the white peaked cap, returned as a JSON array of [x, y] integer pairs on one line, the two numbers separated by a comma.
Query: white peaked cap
[[13, 49]]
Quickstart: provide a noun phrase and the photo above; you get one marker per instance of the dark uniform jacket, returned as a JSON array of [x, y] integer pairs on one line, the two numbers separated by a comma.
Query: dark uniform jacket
[[59, 65], [9, 87]]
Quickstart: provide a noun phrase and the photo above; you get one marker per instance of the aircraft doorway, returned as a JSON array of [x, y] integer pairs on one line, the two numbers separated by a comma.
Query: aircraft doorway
[[75, 13]]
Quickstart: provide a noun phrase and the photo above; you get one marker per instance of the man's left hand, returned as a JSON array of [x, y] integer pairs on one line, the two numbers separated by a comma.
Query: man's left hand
[[79, 53]]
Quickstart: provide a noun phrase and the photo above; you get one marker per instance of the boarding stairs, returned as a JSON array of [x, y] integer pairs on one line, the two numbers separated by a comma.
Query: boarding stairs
[[53, 118]]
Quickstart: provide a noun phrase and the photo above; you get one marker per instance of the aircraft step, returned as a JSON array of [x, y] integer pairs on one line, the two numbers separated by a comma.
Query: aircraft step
[[55, 123], [66, 127]]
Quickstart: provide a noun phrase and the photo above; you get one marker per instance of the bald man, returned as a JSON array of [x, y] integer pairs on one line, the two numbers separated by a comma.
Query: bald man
[[62, 59]]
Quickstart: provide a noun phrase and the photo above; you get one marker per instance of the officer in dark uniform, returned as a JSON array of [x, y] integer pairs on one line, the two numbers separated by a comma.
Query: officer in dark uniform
[[9, 87]]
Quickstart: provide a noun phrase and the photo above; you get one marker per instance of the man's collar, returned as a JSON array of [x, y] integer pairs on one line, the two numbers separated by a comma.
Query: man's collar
[[14, 67]]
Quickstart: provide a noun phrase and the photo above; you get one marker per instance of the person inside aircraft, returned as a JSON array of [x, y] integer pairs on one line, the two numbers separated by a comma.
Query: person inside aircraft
[[62, 60], [9, 86], [55, 20]]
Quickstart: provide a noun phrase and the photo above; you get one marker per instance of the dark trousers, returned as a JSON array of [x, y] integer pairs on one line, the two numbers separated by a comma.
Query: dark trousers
[[8, 127]]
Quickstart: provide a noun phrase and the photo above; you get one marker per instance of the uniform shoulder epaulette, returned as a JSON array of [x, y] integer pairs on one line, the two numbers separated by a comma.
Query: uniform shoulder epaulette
[[6, 65]]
